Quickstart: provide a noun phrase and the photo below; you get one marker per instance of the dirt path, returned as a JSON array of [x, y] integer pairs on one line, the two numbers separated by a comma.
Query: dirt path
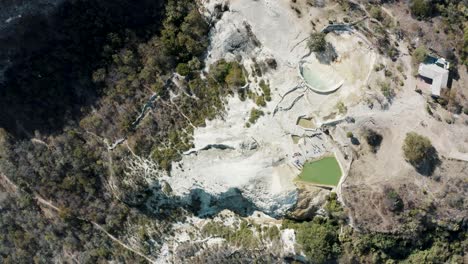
[[8, 184], [118, 241]]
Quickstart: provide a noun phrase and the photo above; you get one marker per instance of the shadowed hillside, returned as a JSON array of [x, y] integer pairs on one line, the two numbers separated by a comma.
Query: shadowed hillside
[[52, 58]]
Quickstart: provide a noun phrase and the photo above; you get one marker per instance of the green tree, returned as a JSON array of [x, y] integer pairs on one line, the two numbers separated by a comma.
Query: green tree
[[219, 70], [376, 12], [318, 239], [235, 76], [183, 69], [420, 54], [255, 114], [386, 90], [421, 8], [260, 101], [317, 42], [417, 148]]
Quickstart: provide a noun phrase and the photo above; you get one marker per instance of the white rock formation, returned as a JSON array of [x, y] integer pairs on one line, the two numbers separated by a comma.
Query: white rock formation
[[258, 160]]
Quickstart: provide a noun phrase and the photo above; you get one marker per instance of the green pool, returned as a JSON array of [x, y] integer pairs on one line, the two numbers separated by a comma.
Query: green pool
[[306, 122], [325, 171]]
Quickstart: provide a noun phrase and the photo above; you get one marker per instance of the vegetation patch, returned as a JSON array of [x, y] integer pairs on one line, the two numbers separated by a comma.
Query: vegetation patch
[[317, 42], [393, 200], [418, 151], [247, 235], [328, 239], [341, 107], [387, 90], [420, 54], [266, 90], [421, 8], [319, 238], [255, 114]]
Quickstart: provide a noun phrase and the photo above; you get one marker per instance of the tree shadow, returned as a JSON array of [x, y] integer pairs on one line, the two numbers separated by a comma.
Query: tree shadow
[[52, 57], [355, 141], [328, 56], [158, 204], [428, 165]]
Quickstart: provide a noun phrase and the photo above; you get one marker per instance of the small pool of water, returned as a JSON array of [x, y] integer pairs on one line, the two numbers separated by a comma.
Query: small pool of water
[[306, 122], [325, 171], [321, 78], [430, 60], [295, 139]]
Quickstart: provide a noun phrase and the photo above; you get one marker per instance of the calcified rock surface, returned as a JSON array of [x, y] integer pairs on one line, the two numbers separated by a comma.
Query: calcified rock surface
[[258, 160]]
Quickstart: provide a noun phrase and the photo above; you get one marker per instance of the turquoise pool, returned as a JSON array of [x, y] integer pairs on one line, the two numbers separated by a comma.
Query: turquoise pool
[[320, 78]]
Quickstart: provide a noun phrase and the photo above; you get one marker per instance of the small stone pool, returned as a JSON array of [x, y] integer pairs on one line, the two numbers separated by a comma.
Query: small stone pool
[[320, 78], [295, 139], [324, 172], [306, 122]]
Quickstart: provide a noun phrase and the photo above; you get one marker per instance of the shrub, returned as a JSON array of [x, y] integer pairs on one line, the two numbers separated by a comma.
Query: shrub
[[230, 73], [183, 69], [194, 64], [235, 76], [421, 8], [417, 148], [342, 109], [334, 209], [379, 67], [99, 75], [317, 42], [388, 73], [386, 90], [266, 90], [255, 114], [318, 239], [420, 54], [260, 101], [349, 134], [393, 200], [219, 70], [376, 13]]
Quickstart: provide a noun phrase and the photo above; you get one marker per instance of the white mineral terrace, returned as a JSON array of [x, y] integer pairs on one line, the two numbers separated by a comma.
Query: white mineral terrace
[[259, 159]]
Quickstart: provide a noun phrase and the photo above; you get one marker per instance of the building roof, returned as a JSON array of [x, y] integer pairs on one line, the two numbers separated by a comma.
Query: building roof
[[438, 75]]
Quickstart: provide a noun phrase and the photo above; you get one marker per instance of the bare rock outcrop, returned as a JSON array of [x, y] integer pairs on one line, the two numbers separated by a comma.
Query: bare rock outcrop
[[310, 199]]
